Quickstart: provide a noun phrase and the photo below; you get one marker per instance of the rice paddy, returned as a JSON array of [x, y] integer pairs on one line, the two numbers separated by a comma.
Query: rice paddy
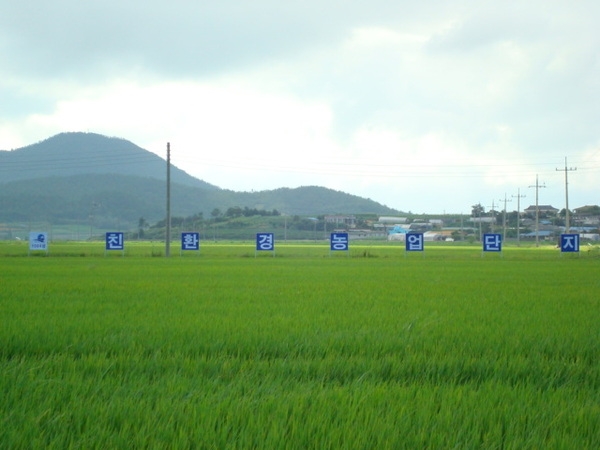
[[227, 349]]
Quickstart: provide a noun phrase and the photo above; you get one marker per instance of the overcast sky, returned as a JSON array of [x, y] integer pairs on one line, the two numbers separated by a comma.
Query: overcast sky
[[429, 106]]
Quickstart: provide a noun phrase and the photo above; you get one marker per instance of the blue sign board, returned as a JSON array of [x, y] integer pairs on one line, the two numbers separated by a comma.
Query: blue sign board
[[414, 242], [338, 241], [569, 243], [265, 241], [492, 242], [190, 241], [115, 241]]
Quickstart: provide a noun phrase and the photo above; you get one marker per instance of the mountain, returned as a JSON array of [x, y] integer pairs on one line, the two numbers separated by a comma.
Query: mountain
[[72, 177], [69, 154]]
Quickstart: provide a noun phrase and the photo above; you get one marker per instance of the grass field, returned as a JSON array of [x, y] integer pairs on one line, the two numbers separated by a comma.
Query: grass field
[[374, 349]]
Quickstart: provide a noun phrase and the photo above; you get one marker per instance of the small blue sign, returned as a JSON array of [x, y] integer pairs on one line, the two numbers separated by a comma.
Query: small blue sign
[[115, 241], [190, 241], [492, 242], [338, 242], [265, 241], [38, 241], [414, 242], [569, 243]]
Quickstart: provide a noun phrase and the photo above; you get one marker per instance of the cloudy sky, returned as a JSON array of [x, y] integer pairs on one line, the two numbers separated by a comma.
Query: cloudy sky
[[423, 106]]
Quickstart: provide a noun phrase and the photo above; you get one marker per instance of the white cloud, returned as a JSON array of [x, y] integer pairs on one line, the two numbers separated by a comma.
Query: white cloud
[[426, 107]]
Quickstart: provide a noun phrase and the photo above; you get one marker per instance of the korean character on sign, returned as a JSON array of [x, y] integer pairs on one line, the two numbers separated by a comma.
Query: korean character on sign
[[569, 242], [339, 241], [492, 242], [414, 242], [265, 241], [114, 241], [190, 241]]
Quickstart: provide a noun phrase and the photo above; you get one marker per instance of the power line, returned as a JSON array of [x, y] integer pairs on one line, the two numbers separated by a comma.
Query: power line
[[342, 168], [360, 168], [80, 162], [388, 171]]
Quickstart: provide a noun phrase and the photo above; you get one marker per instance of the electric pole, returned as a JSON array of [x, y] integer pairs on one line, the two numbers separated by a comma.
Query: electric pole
[[567, 170], [480, 228], [504, 218], [519, 197], [493, 211], [168, 223], [537, 187]]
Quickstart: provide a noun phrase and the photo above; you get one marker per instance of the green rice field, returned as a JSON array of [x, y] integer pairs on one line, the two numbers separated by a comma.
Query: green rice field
[[370, 349]]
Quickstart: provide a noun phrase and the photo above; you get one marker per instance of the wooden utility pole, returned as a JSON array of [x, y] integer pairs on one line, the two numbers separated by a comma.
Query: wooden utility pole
[[504, 218], [493, 222], [537, 187], [168, 223], [567, 170], [519, 197]]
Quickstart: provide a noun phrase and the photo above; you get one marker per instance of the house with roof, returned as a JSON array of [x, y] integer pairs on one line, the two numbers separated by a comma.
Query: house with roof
[[347, 221], [544, 210], [588, 215]]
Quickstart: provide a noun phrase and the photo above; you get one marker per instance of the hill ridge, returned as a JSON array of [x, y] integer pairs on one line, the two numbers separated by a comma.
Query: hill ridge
[[65, 153], [59, 178]]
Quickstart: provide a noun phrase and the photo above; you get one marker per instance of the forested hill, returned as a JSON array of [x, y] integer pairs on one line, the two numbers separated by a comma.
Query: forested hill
[[68, 154], [72, 176]]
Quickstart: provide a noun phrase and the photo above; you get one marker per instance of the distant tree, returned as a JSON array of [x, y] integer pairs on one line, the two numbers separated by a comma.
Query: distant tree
[[142, 225], [456, 235], [558, 220], [198, 217], [592, 210], [215, 213], [512, 218], [177, 221], [234, 211], [477, 210]]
